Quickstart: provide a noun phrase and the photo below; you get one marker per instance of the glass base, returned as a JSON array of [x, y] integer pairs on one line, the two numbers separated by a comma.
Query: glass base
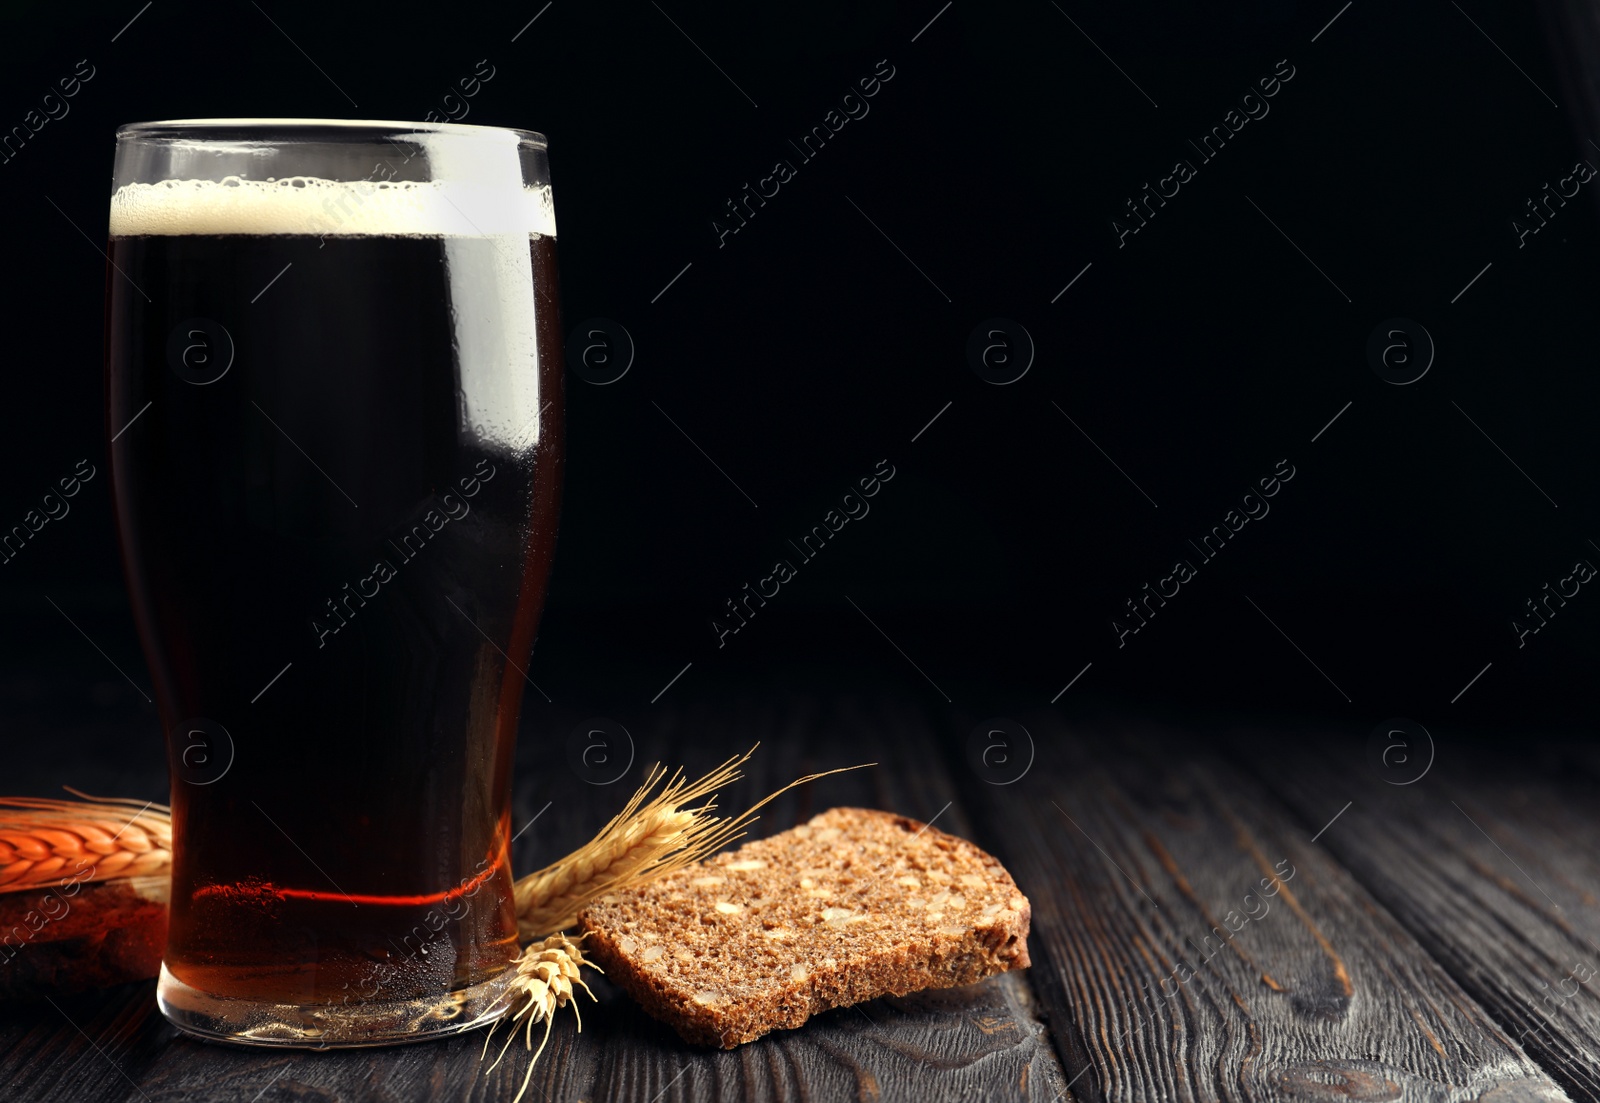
[[322, 1026]]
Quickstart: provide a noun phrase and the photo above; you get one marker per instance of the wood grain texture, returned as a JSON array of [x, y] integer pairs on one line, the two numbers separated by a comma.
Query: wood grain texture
[[982, 1042], [1491, 860], [1173, 974], [90, 1047]]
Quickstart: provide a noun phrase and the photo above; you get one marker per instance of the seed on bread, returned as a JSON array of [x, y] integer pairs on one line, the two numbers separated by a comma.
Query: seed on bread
[[892, 906]]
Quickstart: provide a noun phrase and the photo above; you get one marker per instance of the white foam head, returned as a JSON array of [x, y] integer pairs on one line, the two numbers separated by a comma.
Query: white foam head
[[307, 205]]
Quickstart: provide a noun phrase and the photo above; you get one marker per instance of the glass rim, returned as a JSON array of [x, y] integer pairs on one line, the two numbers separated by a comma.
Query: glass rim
[[241, 128]]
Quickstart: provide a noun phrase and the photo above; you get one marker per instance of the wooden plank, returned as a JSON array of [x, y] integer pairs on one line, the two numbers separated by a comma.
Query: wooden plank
[[1191, 964], [1489, 859], [87, 1048], [980, 1042]]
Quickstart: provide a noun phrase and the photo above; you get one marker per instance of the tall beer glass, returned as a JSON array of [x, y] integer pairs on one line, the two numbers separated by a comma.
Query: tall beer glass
[[333, 380]]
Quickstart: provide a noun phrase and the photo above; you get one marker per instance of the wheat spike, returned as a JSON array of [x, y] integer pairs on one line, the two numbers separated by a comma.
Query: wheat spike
[[546, 973], [50, 842], [648, 839]]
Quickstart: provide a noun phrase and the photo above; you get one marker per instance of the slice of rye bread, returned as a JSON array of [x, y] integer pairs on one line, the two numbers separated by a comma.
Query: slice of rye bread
[[853, 905]]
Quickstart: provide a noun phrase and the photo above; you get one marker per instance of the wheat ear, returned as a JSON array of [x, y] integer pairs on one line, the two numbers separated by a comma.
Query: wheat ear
[[546, 974], [648, 839], [50, 842]]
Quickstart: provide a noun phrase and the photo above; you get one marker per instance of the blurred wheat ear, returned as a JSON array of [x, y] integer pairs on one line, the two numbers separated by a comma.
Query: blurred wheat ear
[[50, 842]]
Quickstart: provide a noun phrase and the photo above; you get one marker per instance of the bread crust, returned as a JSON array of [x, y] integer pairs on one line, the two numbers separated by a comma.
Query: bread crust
[[852, 905]]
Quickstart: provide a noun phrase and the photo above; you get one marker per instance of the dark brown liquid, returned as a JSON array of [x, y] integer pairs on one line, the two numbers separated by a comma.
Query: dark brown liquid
[[354, 510]]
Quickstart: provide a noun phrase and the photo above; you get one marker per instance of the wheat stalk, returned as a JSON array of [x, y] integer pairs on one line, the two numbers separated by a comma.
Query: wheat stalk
[[53, 842]]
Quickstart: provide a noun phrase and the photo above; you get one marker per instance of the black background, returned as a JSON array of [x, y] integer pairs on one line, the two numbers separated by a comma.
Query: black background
[[808, 347]]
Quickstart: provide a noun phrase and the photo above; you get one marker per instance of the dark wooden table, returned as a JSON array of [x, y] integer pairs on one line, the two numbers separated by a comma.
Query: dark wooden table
[[1431, 941]]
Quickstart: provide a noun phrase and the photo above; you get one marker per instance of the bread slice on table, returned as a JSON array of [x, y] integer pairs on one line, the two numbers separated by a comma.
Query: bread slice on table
[[57, 941], [853, 905]]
